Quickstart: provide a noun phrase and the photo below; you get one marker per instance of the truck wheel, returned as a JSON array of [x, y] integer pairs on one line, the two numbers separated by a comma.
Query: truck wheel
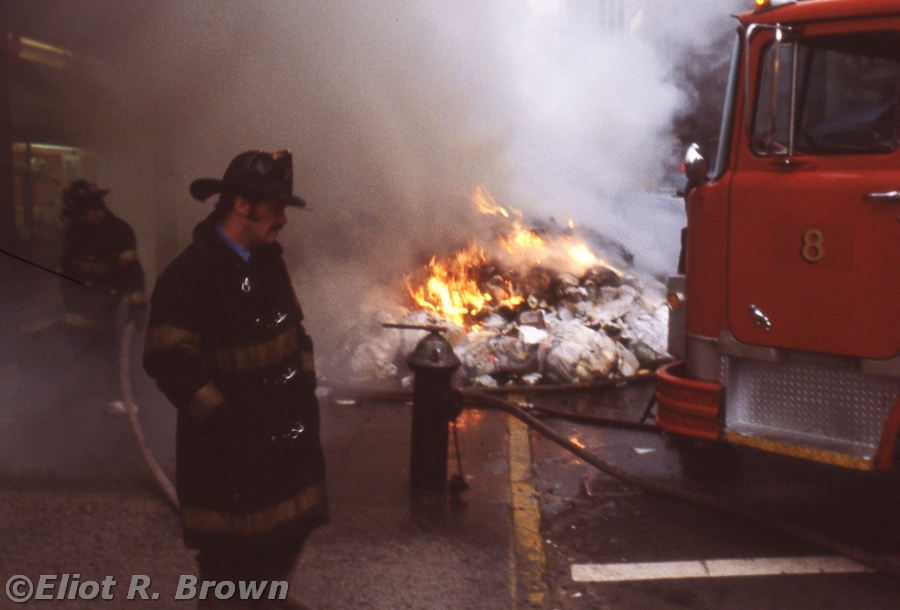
[[707, 462]]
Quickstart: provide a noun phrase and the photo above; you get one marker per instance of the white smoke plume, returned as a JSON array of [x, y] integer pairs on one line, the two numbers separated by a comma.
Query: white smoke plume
[[397, 110]]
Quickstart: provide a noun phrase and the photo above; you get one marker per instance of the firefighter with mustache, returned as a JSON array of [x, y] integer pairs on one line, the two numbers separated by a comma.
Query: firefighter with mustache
[[226, 345]]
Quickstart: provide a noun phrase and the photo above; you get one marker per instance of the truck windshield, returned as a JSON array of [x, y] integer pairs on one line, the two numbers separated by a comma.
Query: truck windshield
[[847, 93]]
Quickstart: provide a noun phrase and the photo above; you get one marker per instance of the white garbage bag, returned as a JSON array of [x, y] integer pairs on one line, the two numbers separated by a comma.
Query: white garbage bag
[[579, 354]]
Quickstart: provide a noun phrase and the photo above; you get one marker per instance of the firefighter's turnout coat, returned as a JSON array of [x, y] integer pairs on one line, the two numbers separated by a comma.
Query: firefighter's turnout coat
[[104, 258], [226, 345]]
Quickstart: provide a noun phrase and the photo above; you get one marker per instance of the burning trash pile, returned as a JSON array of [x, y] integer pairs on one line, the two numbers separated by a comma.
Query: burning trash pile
[[537, 307]]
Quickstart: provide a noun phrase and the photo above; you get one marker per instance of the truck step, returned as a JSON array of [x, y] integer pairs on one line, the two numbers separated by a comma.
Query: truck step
[[807, 409]]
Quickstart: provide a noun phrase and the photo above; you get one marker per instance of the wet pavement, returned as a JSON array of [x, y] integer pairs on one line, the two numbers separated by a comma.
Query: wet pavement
[[75, 498], [591, 519], [384, 550]]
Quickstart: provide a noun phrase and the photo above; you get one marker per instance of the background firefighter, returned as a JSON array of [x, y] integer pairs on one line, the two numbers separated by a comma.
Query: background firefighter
[[226, 345], [100, 251]]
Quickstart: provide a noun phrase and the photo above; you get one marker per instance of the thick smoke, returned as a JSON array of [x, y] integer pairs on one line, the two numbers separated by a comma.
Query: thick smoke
[[396, 111]]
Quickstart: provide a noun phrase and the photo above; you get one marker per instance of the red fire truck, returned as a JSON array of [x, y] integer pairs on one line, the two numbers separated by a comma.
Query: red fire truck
[[786, 315]]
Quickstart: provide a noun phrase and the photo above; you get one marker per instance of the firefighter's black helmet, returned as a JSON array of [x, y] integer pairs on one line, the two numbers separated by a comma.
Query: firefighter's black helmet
[[254, 173], [81, 196]]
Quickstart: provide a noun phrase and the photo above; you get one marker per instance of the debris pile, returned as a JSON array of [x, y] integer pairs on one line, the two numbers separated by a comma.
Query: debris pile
[[565, 329], [537, 307]]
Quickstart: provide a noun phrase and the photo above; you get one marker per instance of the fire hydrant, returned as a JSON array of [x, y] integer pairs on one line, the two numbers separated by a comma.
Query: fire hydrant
[[435, 405]]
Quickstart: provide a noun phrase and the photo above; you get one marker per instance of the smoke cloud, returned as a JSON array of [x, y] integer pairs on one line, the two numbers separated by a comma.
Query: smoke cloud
[[396, 111]]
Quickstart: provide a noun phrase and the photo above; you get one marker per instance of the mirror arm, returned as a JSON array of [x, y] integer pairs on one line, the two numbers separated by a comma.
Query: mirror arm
[[793, 115], [749, 32]]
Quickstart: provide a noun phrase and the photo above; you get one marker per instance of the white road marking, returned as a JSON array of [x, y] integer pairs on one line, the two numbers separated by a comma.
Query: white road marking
[[714, 568]]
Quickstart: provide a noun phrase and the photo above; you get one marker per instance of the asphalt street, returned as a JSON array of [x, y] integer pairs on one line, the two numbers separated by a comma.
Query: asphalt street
[[75, 498], [592, 519]]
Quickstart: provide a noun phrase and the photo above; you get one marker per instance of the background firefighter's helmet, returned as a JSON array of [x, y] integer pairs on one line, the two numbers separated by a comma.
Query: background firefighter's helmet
[[81, 196], [254, 173]]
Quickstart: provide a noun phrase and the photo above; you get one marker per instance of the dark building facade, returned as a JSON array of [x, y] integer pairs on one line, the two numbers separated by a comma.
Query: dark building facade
[[60, 120]]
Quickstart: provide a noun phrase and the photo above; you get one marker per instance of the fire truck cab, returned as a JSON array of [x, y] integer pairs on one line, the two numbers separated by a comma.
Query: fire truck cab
[[786, 317]]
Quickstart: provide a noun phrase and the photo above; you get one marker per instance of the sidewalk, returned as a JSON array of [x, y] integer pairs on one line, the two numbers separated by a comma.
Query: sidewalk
[[377, 553]]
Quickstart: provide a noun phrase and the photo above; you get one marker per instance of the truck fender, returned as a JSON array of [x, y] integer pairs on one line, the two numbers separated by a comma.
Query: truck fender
[[885, 456]]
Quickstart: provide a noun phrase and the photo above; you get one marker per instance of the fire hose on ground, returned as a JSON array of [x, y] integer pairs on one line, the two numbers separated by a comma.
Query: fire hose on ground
[[131, 413], [433, 363], [881, 564]]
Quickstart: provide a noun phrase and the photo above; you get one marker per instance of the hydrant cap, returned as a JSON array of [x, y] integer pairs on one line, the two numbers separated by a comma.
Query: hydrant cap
[[433, 352]]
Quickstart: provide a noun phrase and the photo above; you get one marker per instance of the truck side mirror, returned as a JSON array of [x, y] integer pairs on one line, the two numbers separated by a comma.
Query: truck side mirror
[[695, 166]]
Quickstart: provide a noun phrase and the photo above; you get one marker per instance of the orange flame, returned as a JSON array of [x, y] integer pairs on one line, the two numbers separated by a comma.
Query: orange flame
[[486, 204], [581, 253], [454, 288], [516, 237], [519, 238]]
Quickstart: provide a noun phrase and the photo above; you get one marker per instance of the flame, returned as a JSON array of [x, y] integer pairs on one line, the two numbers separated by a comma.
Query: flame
[[452, 289], [581, 254], [455, 288], [519, 238], [574, 440], [486, 204], [515, 236]]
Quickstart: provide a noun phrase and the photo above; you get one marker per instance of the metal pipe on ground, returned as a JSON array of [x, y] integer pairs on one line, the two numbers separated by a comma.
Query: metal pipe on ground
[[608, 388], [887, 566], [592, 420]]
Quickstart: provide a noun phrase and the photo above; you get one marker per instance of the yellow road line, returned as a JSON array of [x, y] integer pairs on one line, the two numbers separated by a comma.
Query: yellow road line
[[527, 556]]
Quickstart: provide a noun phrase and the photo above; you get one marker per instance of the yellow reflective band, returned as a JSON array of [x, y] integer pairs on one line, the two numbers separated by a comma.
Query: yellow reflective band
[[127, 256], [137, 297], [216, 522], [256, 356], [163, 337], [806, 453], [205, 401]]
